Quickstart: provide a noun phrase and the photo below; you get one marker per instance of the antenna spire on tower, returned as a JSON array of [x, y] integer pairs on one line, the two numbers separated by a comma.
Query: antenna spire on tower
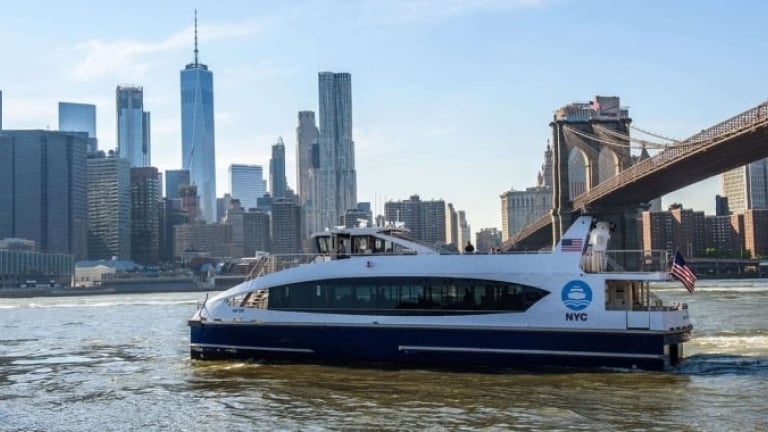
[[196, 63]]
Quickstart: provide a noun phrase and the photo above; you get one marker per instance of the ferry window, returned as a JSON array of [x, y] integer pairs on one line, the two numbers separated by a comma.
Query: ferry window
[[323, 245], [360, 245], [411, 296]]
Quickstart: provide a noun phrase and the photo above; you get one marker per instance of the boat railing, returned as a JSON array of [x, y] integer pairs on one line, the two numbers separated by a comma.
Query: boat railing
[[625, 261], [656, 304], [276, 262]]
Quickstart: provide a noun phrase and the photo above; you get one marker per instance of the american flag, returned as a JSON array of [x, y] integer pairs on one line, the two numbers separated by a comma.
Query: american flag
[[571, 245], [683, 273]]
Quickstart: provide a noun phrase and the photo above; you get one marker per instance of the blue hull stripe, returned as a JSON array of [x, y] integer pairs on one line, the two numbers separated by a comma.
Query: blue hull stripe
[[531, 352]]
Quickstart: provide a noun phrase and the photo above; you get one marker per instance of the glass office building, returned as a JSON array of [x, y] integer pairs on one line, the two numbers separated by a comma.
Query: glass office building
[[246, 183], [78, 117], [109, 208], [43, 189], [133, 140], [197, 132]]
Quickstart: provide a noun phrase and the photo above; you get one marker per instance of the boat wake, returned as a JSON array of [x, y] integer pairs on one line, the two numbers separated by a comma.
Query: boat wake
[[724, 364]]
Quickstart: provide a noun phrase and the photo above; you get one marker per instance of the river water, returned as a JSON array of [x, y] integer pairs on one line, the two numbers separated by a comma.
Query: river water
[[121, 363]]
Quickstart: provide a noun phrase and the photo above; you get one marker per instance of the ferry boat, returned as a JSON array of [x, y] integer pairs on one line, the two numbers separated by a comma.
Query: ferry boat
[[389, 300]]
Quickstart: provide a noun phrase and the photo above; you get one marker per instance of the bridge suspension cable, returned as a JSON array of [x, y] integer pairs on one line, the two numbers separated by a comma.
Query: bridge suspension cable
[[617, 144], [643, 143], [655, 135]]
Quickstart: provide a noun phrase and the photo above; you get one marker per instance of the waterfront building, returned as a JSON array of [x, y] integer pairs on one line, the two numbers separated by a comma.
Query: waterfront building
[[675, 229], [425, 219], [278, 184], [79, 117], [336, 178], [756, 232], [173, 216], [487, 240], [286, 226], [222, 205], [133, 125], [359, 216], [173, 180], [452, 227], [307, 163], [256, 232], [246, 183], [521, 208], [109, 207], [234, 218], [746, 187], [145, 215], [465, 231], [725, 234], [306, 137], [197, 132], [43, 189], [23, 267]]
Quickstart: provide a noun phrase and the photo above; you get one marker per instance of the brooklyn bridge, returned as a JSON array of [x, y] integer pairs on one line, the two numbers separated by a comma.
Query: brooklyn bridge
[[594, 129]]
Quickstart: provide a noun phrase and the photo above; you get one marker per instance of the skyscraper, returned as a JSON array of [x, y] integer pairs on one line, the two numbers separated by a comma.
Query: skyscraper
[[425, 219], [336, 176], [197, 132], [746, 187], [109, 207], [133, 141], [145, 215], [43, 189], [246, 183], [307, 162], [278, 185], [286, 227], [306, 137], [1, 110], [78, 117]]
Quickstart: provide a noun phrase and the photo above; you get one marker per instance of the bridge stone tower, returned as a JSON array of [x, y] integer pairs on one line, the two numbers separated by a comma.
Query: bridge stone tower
[[591, 144]]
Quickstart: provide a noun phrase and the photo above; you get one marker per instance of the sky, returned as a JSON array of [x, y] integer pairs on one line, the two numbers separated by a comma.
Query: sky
[[452, 99]]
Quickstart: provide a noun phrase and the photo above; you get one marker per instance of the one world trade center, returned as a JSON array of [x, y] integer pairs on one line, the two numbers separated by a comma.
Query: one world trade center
[[197, 132]]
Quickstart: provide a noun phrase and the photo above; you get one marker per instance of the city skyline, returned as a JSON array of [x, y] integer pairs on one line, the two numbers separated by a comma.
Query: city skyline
[[452, 99]]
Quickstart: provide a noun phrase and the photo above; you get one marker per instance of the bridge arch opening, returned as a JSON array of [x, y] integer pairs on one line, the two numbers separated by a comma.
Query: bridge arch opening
[[609, 164], [577, 173]]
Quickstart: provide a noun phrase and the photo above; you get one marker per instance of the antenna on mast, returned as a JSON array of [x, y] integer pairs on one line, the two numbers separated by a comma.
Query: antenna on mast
[[196, 37]]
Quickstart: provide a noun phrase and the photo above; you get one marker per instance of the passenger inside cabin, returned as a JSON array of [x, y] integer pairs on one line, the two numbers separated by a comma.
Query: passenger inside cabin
[[469, 299], [341, 250]]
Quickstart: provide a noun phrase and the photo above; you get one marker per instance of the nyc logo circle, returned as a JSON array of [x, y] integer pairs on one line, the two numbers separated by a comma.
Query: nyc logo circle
[[576, 295]]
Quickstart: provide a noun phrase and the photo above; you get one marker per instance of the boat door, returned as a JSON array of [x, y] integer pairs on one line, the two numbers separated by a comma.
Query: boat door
[[630, 297], [638, 312]]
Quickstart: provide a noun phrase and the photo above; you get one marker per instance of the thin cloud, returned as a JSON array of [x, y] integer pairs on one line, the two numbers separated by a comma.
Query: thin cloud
[[100, 58], [422, 10]]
